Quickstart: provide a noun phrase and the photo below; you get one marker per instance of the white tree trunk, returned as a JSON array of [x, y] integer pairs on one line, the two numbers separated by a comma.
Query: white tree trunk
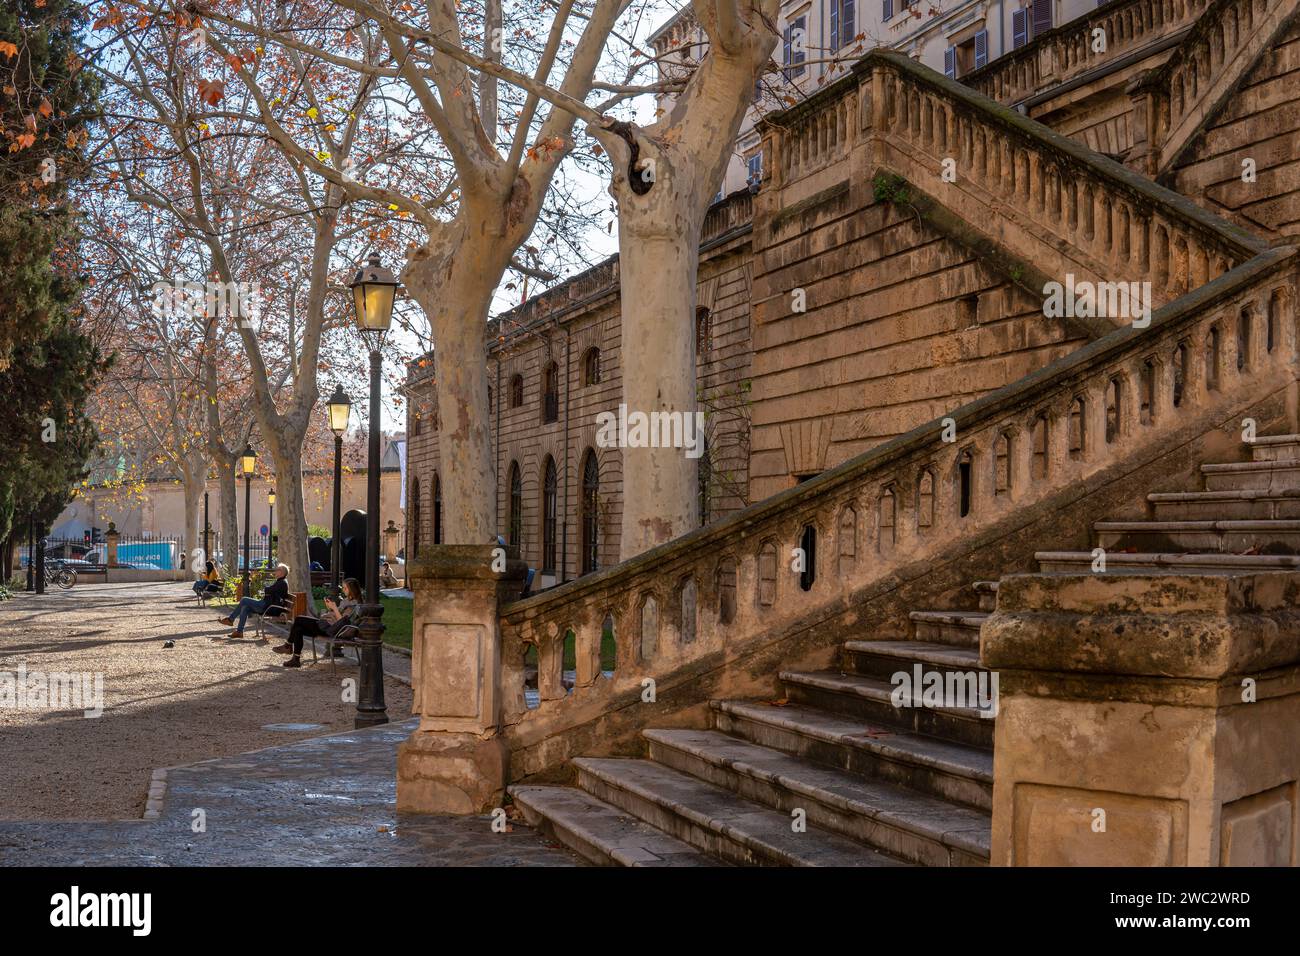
[[228, 519], [456, 298], [290, 511], [658, 272]]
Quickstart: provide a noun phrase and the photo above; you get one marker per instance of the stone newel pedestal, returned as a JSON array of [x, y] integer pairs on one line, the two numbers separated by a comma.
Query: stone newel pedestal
[[110, 545], [391, 534], [1146, 721], [455, 762]]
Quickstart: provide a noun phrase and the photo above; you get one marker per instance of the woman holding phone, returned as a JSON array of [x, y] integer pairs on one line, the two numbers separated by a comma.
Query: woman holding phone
[[335, 616]]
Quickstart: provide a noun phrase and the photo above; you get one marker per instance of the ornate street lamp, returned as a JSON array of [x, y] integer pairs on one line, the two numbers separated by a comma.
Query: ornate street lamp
[[340, 409], [247, 462], [270, 527], [373, 291]]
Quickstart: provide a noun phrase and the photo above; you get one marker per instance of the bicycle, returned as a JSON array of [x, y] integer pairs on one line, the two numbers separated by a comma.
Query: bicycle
[[64, 577]]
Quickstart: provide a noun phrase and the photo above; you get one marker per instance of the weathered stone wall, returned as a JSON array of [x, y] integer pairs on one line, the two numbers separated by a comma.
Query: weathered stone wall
[[562, 326], [1261, 121], [901, 325]]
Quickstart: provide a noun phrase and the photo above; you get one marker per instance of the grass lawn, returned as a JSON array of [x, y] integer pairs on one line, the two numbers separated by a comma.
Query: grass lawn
[[397, 621]]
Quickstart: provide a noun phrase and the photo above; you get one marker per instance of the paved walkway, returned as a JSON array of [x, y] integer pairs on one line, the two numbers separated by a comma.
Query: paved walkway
[[325, 801]]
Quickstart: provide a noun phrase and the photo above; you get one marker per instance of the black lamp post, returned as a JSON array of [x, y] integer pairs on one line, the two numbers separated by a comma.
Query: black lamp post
[[207, 532], [270, 527], [247, 462], [340, 408], [373, 291]]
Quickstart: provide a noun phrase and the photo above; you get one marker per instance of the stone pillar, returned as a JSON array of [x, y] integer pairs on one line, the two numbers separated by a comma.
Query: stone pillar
[[456, 761], [110, 543], [1146, 720], [391, 534]]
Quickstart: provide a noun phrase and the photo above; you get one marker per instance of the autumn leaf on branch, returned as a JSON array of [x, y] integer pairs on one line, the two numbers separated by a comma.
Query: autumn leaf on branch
[[212, 92]]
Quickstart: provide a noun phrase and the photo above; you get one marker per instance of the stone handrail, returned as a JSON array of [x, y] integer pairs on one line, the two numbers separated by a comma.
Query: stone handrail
[[729, 590], [1178, 97], [1066, 52], [1052, 202]]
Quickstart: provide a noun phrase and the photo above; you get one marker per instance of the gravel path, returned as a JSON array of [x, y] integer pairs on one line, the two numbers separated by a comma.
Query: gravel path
[[198, 700]]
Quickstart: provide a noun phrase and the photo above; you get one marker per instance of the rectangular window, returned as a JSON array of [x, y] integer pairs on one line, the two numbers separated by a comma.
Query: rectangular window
[[796, 47], [1042, 17], [888, 9], [950, 62], [1019, 28], [848, 24], [981, 48], [835, 24], [755, 165]]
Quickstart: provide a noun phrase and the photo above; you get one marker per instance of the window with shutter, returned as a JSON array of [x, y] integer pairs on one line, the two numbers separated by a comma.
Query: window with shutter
[[835, 23], [848, 27], [888, 9], [981, 48], [1042, 16], [1019, 28], [950, 62]]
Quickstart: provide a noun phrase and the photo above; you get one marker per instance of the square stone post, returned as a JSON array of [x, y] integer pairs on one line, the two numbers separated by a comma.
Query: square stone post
[[1146, 720], [110, 545], [455, 761]]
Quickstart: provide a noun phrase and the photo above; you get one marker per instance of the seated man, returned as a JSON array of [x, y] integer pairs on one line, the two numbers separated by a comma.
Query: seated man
[[276, 595], [335, 617], [209, 582]]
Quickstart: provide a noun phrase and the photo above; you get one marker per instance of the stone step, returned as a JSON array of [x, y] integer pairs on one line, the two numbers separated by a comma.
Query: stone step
[[717, 821], [871, 699], [883, 659], [1275, 448], [904, 823], [1277, 475], [988, 594], [1229, 536], [948, 627], [599, 832], [1226, 505], [941, 768], [1080, 562]]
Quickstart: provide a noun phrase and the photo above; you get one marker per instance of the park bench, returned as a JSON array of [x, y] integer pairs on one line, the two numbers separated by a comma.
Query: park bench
[[278, 620], [205, 596], [346, 636]]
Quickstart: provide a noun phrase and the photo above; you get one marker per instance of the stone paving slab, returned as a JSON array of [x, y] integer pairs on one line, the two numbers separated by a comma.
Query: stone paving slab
[[324, 801]]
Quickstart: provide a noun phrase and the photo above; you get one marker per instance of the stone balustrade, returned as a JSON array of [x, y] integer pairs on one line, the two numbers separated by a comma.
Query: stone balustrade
[[684, 610], [1068, 51], [1061, 206], [1175, 99]]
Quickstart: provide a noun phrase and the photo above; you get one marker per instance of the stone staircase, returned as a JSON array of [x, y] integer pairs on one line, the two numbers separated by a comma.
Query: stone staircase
[[879, 784]]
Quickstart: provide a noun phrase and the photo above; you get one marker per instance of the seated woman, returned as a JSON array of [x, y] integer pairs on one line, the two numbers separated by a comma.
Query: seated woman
[[209, 582], [335, 617]]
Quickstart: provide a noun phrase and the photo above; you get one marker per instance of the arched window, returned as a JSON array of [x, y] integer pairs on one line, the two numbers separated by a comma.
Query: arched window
[[437, 509], [702, 330], [550, 394], [415, 517], [516, 531], [591, 366], [516, 391], [590, 512], [549, 487]]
